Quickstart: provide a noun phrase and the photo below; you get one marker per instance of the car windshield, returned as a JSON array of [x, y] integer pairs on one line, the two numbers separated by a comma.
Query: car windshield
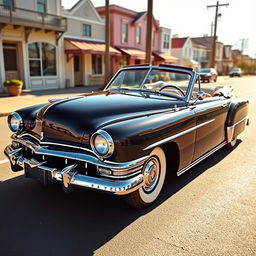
[[205, 70], [158, 81]]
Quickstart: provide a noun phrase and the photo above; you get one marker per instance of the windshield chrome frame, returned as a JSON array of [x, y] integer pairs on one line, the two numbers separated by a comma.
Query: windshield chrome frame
[[192, 80]]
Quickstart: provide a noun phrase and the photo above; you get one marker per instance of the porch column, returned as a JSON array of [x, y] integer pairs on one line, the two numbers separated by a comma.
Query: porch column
[[25, 60], [2, 72], [61, 63]]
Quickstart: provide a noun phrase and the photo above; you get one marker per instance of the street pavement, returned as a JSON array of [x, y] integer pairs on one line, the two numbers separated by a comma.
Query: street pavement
[[209, 210]]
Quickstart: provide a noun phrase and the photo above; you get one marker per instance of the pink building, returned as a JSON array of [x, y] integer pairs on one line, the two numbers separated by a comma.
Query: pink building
[[128, 35]]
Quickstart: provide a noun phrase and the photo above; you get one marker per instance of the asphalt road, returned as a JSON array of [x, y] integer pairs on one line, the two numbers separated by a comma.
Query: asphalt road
[[210, 210]]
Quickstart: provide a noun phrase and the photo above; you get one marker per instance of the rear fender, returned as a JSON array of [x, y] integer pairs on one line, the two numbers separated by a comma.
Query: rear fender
[[236, 119]]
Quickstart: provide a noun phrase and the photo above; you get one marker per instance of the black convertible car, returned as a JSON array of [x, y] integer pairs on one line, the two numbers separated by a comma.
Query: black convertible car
[[147, 122]]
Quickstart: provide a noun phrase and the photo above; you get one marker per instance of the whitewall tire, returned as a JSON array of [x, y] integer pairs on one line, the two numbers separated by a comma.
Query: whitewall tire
[[154, 172]]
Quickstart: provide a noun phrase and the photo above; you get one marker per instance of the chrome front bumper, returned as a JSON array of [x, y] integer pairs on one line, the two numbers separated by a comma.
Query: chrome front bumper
[[69, 176]]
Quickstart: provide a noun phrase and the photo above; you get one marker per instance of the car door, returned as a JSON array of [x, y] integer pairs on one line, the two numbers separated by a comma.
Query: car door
[[211, 114]]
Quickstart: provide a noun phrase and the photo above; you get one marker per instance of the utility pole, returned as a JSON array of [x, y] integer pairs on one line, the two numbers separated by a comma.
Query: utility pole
[[107, 39], [215, 30], [243, 46], [149, 32]]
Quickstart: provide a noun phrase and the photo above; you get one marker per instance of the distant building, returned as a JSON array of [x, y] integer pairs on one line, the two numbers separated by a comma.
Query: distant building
[[128, 35], [200, 54], [164, 54], [206, 41], [236, 57], [182, 48], [84, 45], [227, 63], [30, 43]]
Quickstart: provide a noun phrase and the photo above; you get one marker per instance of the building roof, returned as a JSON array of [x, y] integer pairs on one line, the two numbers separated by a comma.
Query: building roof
[[139, 15], [205, 40], [178, 42]]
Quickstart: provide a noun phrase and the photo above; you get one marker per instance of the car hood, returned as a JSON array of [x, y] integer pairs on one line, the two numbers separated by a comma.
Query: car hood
[[73, 120]]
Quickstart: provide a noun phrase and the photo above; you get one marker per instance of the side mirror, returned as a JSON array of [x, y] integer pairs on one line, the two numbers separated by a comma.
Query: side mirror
[[202, 95]]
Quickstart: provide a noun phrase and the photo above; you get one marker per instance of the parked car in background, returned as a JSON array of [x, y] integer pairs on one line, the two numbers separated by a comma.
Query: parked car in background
[[148, 122], [208, 75], [235, 72]]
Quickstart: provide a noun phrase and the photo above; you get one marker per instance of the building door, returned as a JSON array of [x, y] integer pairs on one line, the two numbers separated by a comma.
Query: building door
[[11, 61], [78, 70]]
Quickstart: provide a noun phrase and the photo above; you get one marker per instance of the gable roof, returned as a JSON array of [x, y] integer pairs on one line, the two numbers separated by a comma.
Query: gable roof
[[205, 41], [87, 4], [178, 42], [136, 16], [139, 16]]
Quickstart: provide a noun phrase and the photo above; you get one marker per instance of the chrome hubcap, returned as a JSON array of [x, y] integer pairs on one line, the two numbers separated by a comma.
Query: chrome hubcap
[[151, 174]]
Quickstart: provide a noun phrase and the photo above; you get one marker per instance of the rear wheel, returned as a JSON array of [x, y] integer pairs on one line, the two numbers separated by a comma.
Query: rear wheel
[[232, 143], [154, 172]]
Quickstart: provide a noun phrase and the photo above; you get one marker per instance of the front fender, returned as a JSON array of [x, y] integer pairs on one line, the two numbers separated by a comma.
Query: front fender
[[133, 137], [28, 115]]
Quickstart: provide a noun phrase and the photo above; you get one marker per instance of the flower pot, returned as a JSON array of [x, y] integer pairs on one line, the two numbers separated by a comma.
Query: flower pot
[[14, 90]]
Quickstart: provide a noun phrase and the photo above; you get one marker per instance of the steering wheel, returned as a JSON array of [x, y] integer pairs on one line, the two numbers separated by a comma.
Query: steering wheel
[[173, 86]]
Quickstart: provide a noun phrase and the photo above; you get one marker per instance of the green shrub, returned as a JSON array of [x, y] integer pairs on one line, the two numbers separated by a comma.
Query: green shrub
[[13, 82]]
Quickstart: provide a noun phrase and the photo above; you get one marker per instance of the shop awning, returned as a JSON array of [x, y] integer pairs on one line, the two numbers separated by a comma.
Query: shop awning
[[133, 53], [78, 46], [165, 57]]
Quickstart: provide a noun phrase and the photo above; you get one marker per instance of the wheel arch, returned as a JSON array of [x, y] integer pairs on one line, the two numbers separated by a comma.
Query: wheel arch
[[236, 119], [172, 154]]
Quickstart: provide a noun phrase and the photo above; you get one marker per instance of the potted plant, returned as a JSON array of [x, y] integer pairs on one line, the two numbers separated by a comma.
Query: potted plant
[[13, 86]]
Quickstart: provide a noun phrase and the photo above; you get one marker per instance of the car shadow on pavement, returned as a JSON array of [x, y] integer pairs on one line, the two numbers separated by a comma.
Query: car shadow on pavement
[[38, 220]]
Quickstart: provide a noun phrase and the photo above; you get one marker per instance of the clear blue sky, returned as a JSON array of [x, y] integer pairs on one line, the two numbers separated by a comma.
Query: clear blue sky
[[192, 18]]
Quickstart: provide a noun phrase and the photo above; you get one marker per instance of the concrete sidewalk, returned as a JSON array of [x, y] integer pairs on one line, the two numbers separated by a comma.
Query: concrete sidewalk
[[28, 98]]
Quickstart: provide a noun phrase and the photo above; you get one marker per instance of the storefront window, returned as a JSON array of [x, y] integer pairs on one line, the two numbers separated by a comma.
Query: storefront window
[[42, 59], [96, 64]]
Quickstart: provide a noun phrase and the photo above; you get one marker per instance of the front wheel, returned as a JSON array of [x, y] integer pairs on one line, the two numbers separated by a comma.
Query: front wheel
[[154, 172]]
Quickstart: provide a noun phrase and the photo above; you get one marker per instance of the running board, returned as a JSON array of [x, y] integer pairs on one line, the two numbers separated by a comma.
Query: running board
[[198, 160]]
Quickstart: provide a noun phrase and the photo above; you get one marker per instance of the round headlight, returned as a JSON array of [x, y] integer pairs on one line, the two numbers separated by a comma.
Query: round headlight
[[15, 122], [102, 144]]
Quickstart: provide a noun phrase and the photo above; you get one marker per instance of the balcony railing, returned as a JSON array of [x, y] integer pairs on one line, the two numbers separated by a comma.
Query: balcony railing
[[32, 19]]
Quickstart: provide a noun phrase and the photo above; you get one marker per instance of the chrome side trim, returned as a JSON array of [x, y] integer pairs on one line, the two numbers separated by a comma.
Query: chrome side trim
[[242, 120], [231, 129], [177, 135], [198, 160]]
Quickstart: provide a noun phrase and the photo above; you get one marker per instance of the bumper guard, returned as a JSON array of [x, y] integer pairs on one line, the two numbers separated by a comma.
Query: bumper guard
[[68, 176]]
